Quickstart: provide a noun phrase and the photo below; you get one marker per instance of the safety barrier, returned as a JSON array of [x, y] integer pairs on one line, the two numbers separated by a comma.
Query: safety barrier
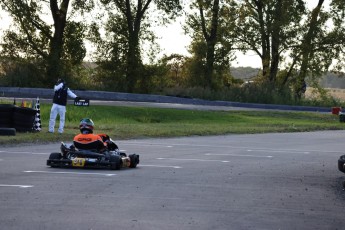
[[19, 118]]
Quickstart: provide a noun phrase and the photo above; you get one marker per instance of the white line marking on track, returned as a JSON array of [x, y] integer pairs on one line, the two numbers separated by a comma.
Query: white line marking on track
[[76, 173], [162, 166], [180, 159], [17, 152], [233, 147], [235, 155], [149, 145], [276, 151], [16, 185], [23, 152]]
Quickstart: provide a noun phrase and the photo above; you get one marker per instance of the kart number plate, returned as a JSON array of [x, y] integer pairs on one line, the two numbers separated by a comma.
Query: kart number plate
[[78, 162]]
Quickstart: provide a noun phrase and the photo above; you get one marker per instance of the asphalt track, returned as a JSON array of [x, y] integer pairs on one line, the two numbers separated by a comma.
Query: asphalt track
[[257, 181]]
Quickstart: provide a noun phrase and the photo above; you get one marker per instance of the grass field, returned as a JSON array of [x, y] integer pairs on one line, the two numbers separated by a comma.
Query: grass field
[[140, 122]]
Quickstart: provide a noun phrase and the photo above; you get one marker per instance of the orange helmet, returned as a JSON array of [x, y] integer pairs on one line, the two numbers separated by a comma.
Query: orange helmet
[[86, 125]]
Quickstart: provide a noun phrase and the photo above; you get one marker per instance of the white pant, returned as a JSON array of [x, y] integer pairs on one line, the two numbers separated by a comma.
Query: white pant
[[55, 110]]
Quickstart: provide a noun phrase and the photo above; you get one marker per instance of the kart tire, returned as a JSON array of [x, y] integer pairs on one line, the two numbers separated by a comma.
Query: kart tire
[[54, 156], [7, 132], [115, 162], [5, 119], [341, 163], [6, 114], [134, 160], [23, 119]]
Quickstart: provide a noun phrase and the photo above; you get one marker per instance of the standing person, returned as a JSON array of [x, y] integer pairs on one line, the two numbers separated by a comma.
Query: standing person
[[61, 91]]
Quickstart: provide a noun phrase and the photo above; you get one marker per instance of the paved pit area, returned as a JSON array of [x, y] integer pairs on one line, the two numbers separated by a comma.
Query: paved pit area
[[258, 181]]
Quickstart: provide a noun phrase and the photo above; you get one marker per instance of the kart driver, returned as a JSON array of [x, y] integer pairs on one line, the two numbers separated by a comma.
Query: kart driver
[[86, 140]]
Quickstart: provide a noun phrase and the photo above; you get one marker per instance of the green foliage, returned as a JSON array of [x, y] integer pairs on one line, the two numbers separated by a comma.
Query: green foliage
[[267, 28], [171, 71], [111, 56], [83, 6], [171, 7], [211, 50], [290, 38], [36, 41], [18, 72], [127, 29], [249, 93], [196, 65], [74, 46]]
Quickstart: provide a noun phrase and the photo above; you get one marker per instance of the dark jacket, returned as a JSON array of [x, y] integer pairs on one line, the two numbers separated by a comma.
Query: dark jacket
[[60, 94]]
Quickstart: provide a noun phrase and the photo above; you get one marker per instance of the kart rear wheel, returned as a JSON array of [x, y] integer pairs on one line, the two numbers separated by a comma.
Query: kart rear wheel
[[134, 160], [54, 156], [115, 162]]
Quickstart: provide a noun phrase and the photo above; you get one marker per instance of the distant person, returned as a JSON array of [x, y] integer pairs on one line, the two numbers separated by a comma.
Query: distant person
[[304, 87], [61, 91], [302, 90]]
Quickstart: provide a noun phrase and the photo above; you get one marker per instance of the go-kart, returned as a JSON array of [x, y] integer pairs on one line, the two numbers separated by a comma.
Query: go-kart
[[341, 166], [341, 163], [69, 156]]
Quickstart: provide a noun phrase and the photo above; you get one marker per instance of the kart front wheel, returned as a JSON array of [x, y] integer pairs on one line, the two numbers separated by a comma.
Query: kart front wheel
[[341, 163], [134, 160]]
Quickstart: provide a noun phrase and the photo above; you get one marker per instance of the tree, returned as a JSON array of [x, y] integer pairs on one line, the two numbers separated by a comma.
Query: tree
[[293, 42], [267, 28], [320, 45], [127, 28], [174, 65], [209, 23], [209, 36], [306, 50], [35, 39]]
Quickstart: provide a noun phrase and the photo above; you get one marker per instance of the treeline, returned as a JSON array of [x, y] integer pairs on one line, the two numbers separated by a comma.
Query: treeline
[[297, 42]]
